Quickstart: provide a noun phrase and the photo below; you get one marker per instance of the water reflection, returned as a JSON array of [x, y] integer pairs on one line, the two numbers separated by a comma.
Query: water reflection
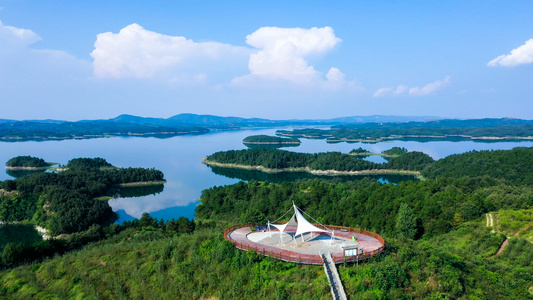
[[22, 173], [138, 191]]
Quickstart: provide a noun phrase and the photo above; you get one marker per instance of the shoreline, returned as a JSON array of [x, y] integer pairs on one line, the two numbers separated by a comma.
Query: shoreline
[[102, 135], [271, 143], [141, 183], [14, 168], [316, 172], [330, 139], [366, 154]]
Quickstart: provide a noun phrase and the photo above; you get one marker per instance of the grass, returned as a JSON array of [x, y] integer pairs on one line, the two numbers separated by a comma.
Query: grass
[[515, 223], [150, 264]]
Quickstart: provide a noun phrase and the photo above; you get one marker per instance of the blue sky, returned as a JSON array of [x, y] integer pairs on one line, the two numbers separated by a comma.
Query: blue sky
[[75, 60]]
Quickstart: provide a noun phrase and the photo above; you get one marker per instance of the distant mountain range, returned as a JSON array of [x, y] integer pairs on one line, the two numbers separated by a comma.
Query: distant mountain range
[[129, 125], [211, 121]]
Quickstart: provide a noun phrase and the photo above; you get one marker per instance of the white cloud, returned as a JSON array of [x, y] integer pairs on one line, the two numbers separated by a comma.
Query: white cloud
[[429, 88], [388, 91], [11, 37], [139, 53], [519, 56], [283, 53], [37, 78], [21, 62]]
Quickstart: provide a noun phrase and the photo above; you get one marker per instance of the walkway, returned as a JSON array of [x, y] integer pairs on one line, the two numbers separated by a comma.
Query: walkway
[[337, 290]]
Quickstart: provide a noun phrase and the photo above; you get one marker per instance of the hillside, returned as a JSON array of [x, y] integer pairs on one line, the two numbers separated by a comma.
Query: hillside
[[438, 245], [145, 259]]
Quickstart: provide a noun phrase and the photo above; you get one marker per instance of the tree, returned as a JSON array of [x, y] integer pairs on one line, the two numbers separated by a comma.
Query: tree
[[252, 216], [406, 222], [14, 254], [147, 220], [8, 185]]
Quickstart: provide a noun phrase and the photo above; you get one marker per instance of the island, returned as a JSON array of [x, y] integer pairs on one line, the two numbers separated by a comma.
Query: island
[[27, 162], [269, 140], [328, 163]]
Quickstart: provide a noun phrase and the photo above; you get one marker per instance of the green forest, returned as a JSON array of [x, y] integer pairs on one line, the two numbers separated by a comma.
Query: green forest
[[27, 162], [438, 244], [60, 130], [65, 202], [282, 159]]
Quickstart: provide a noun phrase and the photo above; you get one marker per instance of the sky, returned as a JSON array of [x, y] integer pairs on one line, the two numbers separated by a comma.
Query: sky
[[74, 60]]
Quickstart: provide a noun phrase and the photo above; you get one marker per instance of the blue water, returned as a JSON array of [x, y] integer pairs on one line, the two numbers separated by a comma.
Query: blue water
[[180, 160]]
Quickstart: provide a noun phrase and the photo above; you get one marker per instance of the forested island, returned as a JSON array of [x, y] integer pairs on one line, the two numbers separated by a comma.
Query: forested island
[[274, 160], [514, 165], [27, 162], [440, 244], [477, 130], [269, 140]]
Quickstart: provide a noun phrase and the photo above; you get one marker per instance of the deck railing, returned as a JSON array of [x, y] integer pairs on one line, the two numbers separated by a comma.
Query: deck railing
[[307, 258]]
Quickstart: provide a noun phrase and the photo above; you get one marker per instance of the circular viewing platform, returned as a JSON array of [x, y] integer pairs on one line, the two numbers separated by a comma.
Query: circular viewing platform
[[287, 248]]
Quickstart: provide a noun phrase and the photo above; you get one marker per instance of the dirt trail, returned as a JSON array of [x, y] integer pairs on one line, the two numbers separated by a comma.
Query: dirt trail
[[502, 246], [490, 223]]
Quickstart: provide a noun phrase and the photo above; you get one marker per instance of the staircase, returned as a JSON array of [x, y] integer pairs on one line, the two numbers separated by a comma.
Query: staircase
[[337, 290]]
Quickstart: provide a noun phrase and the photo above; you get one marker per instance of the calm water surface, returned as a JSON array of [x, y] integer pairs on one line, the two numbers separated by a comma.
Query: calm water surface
[[180, 160]]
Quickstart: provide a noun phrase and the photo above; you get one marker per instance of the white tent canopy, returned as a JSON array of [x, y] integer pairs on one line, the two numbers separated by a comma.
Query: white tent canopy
[[305, 226], [302, 224], [281, 227]]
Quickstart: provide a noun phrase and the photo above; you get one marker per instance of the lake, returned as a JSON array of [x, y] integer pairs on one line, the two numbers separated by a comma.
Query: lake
[[180, 160]]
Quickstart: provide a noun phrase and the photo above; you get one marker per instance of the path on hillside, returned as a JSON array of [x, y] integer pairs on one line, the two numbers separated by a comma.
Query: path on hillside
[[490, 223]]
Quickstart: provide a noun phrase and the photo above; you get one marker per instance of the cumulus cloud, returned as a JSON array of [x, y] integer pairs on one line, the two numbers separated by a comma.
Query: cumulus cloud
[[519, 56], [284, 52], [139, 53], [429, 88]]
